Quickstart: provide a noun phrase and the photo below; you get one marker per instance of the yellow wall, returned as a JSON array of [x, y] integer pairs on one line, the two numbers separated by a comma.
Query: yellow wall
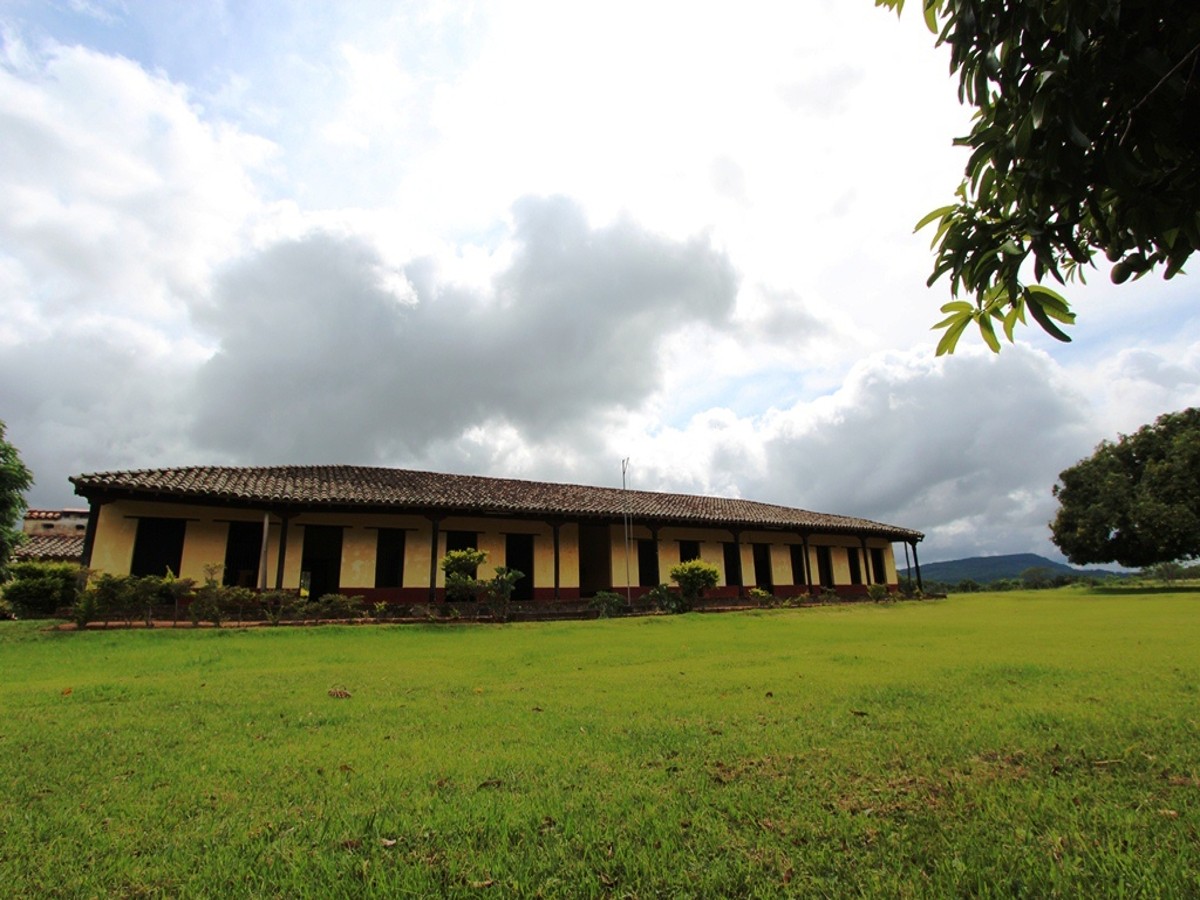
[[359, 545], [712, 541], [416, 555], [112, 549], [711, 548], [781, 564], [617, 541], [360, 541], [568, 557], [204, 549], [204, 540], [207, 532]]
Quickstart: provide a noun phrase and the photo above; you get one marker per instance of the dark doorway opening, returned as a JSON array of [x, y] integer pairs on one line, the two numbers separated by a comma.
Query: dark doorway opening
[[763, 576], [518, 554], [243, 552], [733, 563], [855, 565], [595, 560], [463, 540], [689, 550], [158, 546], [799, 567], [878, 565], [647, 562], [825, 566], [389, 558], [322, 559]]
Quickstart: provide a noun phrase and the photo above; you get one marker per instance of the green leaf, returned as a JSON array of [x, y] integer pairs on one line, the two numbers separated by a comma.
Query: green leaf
[[1037, 109], [931, 15], [946, 321], [989, 333], [942, 229], [987, 183], [938, 213], [1080, 139], [958, 306], [1074, 146], [1016, 314], [995, 296], [1053, 303], [1039, 316], [953, 333]]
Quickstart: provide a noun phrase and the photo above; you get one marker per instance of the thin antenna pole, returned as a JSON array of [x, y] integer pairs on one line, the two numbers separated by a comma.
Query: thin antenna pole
[[628, 526]]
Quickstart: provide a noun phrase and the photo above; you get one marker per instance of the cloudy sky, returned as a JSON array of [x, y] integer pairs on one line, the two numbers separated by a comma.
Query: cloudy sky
[[530, 239]]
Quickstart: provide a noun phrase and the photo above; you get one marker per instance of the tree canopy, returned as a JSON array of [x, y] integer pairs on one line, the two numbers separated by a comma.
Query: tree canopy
[[15, 480], [1086, 140], [1136, 501]]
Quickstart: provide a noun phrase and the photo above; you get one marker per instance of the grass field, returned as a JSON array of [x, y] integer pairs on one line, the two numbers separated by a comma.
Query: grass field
[[1018, 744]]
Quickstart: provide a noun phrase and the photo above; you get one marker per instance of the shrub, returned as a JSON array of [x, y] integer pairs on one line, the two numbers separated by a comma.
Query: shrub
[[607, 603], [1165, 572], [274, 605], [463, 584], [497, 593], [175, 591], [461, 568], [242, 600], [103, 599], [1001, 584], [878, 592], [207, 605], [84, 610], [39, 589], [664, 598], [694, 577], [764, 598], [141, 595], [338, 606]]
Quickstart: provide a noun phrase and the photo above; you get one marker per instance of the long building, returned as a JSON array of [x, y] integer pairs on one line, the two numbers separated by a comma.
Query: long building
[[380, 533]]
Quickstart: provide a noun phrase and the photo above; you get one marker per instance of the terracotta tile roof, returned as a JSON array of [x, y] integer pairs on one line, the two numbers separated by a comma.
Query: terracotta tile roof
[[379, 488], [52, 515], [50, 548]]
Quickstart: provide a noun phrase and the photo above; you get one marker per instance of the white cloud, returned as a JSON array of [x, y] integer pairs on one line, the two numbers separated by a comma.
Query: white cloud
[[906, 439], [317, 360], [300, 234], [118, 197]]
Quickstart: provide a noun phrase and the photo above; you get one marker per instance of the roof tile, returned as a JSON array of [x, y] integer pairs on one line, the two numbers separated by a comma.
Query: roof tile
[[50, 548], [378, 488]]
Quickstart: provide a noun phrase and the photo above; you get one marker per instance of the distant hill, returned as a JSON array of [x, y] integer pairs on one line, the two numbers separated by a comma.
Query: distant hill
[[986, 569]]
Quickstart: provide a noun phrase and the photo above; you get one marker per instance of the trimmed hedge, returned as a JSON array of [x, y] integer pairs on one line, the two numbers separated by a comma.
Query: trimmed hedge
[[39, 590]]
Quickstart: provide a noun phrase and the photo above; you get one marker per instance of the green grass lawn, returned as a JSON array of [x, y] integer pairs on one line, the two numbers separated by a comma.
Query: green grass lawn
[[1028, 744]]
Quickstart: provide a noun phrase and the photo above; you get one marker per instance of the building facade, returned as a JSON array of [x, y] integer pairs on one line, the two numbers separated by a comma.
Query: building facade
[[52, 535], [381, 533]]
